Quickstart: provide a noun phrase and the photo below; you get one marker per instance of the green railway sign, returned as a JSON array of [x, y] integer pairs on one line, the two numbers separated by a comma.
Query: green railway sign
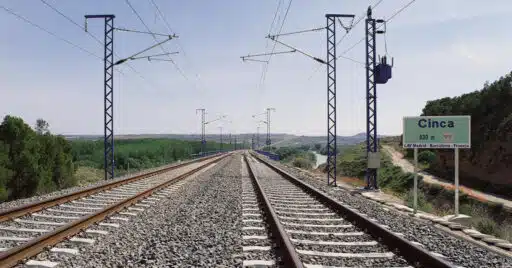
[[437, 132]]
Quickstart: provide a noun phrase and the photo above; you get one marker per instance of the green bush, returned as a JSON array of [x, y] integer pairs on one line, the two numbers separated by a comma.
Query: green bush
[[427, 157], [352, 161], [423, 203], [395, 179], [487, 226], [302, 163]]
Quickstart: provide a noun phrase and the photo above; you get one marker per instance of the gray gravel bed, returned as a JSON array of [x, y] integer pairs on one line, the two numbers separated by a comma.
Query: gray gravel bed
[[288, 205], [93, 236], [96, 199], [18, 234], [255, 232], [355, 262], [319, 229], [13, 224], [84, 212], [91, 208], [337, 238], [248, 215], [254, 224], [458, 251], [312, 221], [10, 244], [292, 215], [286, 195], [260, 255], [32, 218], [344, 249], [199, 225], [53, 213], [257, 242]]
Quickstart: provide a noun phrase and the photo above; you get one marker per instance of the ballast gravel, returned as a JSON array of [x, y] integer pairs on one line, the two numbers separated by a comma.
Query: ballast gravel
[[199, 225], [457, 251]]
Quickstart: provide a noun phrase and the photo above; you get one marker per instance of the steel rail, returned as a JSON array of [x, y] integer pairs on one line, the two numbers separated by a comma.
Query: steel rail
[[19, 211], [290, 256], [13, 256], [412, 253]]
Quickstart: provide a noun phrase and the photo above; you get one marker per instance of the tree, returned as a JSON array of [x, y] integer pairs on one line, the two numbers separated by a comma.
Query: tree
[[318, 146], [23, 154], [32, 162], [42, 126]]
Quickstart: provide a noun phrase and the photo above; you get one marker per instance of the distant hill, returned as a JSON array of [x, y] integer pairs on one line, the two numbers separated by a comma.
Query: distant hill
[[278, 139]]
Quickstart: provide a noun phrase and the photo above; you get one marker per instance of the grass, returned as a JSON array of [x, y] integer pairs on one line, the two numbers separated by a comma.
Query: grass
[[352, 181], [87, 175]]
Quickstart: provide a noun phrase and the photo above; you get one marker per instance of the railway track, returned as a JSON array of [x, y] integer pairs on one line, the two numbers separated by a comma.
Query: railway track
[[314, 230], [256, 243], [28, 230]]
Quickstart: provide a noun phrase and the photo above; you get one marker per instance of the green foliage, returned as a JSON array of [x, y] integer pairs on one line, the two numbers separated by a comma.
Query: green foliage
[[300, 156], [302, 163], [318, 146], [488, 109], [137, 154], [87, 175], [352, 162], [395, 179], [491, 125], [427, 157], [423, 204], [32, 162], [487, 226]]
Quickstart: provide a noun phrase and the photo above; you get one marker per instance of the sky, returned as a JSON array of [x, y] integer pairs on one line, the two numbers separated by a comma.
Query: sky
[[440, 48]]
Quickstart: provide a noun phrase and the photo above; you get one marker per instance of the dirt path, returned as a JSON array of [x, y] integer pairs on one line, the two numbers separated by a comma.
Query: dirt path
[[407, 166]]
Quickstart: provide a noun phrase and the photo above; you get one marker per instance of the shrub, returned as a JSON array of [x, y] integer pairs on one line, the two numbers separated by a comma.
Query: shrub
[[427, 157], [423, 203], [487, 226], [302, 163]]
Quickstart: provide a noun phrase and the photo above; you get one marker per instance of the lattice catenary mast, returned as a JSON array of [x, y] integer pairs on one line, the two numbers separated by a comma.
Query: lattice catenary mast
[[108, 118], [109, 164], [331, 93], [375, 74]]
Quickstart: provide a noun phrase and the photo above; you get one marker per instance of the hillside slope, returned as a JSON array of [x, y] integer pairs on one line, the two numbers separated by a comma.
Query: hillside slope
[[488, 164]]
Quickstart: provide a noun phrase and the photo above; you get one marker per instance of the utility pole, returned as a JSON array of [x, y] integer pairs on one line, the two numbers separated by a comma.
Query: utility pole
[[203, 139], [258, 136], [268, 126], [108, 100], [220, 139], [372, 146], [203, 127], [108, 86], [267, 122], [331, 84], [332, 147], [230, 142]]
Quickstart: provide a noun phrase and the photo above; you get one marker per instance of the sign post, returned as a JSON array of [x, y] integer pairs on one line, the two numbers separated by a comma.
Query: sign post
[[437, 132], [415, 191]]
